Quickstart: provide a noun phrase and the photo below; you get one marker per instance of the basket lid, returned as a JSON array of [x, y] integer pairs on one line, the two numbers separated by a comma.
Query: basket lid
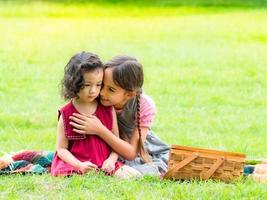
[[211, 151]]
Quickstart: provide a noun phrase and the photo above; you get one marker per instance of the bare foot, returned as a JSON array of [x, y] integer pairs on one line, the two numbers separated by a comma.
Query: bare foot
[[260, 173], [126, 172], [261, 169], [5, 161]]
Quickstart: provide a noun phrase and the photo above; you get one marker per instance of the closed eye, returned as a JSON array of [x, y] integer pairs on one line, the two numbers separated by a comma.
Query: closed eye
[[111, 89]]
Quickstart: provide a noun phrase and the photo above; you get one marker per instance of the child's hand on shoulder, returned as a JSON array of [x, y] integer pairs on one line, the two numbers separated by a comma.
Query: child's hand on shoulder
[[108, 165], [84, 167], [86, 124]]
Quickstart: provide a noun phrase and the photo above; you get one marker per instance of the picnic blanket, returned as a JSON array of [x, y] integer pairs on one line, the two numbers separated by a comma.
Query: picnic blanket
[[29, 161]]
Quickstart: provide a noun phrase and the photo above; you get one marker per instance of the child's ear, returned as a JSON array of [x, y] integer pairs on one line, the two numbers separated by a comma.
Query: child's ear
[[131, 94]]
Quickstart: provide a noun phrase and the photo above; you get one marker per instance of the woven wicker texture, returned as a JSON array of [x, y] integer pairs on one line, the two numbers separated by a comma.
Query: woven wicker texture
[[188, 162]]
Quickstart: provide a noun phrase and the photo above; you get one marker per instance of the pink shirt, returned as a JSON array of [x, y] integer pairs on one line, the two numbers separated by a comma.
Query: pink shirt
[[147, 111]]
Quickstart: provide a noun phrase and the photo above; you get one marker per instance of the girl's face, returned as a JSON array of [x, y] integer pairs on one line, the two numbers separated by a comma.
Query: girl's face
[[112, 94], [92, 85]]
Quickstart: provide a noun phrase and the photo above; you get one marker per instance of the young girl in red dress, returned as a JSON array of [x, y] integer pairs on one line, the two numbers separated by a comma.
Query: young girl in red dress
[[76, 153]]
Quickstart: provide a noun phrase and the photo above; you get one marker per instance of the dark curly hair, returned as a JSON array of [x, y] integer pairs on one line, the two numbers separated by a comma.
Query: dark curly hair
[[128, 73], [73, 80]]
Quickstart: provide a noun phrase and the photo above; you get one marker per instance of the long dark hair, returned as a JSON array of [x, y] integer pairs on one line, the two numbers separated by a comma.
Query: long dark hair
[[128, 74], [73, 80]]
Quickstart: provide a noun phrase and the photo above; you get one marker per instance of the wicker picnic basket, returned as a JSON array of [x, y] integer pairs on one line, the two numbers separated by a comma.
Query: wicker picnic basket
[[197, 163]]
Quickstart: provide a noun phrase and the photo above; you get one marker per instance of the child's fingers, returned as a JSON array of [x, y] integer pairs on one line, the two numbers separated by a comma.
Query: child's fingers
[[79, 131], [107, 168], [78, 126], [78, 115], [91, 165], [77, 120], [88, 163]]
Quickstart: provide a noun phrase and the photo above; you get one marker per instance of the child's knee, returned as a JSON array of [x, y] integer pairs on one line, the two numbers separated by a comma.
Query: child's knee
[[126, 172]]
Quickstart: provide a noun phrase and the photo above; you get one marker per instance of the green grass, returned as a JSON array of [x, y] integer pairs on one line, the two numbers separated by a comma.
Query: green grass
[[205, 67], [101, 187]]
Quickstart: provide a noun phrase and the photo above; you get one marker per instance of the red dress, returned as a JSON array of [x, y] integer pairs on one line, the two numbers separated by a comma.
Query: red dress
[[83, 147]]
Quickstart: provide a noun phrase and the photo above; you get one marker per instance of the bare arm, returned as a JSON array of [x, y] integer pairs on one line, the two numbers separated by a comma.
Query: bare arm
[[62, 146], [115, 130], [125, 149], [92, 125], [65, 155]]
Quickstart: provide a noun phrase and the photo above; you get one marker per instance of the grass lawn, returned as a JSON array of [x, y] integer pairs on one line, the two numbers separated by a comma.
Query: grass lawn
[[205, 67]]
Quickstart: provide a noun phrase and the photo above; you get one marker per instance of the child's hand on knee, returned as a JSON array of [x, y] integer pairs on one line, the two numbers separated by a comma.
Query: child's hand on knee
[[108, 165], [84, 167]]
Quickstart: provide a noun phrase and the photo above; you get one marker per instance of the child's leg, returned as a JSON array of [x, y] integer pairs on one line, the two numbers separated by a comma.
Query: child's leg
[[126, 172]]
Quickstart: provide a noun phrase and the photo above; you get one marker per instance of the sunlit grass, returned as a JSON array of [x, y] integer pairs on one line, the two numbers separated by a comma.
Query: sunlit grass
[[94, 186]]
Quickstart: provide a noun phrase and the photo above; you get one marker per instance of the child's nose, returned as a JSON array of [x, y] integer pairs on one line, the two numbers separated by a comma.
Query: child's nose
[[93, 89], [102, 92]]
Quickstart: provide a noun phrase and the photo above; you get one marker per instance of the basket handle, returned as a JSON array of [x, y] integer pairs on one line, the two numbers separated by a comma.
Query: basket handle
[[213, 168], [180, 165]]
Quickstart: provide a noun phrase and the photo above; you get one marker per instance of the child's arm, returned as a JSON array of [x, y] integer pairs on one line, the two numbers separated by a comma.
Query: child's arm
[[92, 125], [109, 164], [65, 155]]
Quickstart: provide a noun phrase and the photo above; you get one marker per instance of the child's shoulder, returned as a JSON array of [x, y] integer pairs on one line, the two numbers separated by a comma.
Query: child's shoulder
[[147, 101], [147, 111], [66, 106]]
